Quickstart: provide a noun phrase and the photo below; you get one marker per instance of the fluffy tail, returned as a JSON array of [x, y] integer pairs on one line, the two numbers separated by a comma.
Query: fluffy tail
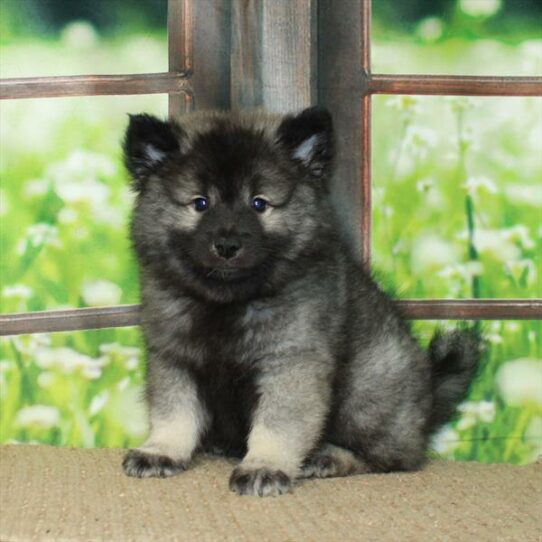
[[455, 358]]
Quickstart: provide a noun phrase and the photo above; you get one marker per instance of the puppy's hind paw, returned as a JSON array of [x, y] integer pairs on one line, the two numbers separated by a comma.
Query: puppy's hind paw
[[144, 465], [261, 482]]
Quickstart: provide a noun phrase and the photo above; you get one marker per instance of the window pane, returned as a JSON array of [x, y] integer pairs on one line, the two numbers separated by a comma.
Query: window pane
[[441, 164], [85, 389], [65, 202], [80, 388], [501, 419], [48, 37], [463, 37]]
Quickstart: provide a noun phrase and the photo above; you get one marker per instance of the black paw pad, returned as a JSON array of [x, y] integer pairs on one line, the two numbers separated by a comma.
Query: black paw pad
[[143, 465], [260, 482]]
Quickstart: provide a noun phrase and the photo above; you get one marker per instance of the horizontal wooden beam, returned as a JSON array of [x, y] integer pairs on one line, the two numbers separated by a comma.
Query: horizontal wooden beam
[[69, 320], [472, 309], [453, 85], [94, 85], [129, 315]]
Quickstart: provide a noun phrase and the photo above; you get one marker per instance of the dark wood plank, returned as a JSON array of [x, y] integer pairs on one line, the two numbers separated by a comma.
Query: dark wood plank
[[453, 85], [93, 85], [180, 51]]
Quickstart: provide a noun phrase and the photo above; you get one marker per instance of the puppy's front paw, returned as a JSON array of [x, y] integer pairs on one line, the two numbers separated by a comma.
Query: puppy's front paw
[[261, 482], [144, 465]]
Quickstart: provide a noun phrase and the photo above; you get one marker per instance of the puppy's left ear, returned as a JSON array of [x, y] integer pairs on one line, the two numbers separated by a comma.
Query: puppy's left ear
[[148, 143], [308, 139]]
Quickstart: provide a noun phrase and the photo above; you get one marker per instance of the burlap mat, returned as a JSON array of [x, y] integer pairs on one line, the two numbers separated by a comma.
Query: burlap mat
[[71, 494]]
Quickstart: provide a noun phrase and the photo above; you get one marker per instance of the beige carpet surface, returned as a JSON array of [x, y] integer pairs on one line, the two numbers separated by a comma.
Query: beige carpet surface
[[70, 494]]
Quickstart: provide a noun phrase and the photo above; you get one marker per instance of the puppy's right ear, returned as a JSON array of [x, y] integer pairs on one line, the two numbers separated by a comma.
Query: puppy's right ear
[[148, 143]]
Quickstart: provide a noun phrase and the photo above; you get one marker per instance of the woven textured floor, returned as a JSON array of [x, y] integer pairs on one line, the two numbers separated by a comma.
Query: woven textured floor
[[70, 494]]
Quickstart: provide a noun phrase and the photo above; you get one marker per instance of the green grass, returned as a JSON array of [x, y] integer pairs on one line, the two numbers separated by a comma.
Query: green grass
[[457, 206]]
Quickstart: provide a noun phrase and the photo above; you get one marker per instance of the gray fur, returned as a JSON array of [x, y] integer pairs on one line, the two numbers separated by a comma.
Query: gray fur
[[286, 353]]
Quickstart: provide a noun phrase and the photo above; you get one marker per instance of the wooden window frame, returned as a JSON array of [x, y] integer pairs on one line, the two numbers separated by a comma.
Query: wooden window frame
[[179, 84]]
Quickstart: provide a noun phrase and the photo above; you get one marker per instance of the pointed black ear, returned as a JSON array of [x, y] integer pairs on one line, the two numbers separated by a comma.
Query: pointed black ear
[[147, 144], [308, 138]]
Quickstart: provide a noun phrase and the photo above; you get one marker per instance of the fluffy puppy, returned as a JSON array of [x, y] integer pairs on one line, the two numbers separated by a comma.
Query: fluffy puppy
[[266, 340]]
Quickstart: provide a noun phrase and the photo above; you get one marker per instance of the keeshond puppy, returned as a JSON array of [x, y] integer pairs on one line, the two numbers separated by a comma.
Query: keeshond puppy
[[266, 340]]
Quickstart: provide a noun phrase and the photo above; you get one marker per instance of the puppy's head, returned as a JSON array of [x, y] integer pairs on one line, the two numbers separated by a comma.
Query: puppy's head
[[228, 203]]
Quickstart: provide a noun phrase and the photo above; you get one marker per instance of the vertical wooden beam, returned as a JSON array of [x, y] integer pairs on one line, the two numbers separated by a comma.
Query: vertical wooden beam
[[343, 55], [246, 54], [180, 32], [273, 60], [289, 55], [366, 137], [211, 53]]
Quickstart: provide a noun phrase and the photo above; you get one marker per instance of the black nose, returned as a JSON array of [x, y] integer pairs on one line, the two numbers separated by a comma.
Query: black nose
[[227, 247]]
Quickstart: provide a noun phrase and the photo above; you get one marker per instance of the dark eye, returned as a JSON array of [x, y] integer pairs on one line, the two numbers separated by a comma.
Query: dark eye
[[201, 204], [259, 205]]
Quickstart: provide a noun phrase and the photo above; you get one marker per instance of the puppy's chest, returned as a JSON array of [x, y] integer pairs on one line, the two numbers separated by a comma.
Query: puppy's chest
[[232, 333]]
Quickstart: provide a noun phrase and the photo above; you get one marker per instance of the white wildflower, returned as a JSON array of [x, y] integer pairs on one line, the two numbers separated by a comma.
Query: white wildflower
[[463, 271], [493, 338], [430, 252], [6, 365], [424, 185], [479, 185], [92, 371], [78, 181], [127, 355], [466, 422], [46, 379], [524, 194], [475, 411], [466, 139], [419, 140], [88, 191], [495, 243], [28, 344], [123, 384], [98, 402], [531, 57], [459, 104], [36, 188], [38, 417], [404, 103], [445, 441], [430, 29], [101, 292], [17, 291], [67, 215], [520, 381], [486, 411], [519, 234], [79, 35], [67, 360], [39, 235], [512, 326], [522, 268], [480, 8]]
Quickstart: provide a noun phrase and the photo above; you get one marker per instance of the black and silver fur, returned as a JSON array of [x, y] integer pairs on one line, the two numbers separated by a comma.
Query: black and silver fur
[[266, 340]]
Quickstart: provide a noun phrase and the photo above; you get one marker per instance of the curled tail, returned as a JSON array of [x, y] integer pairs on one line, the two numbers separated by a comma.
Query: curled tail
[[455, 358]]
